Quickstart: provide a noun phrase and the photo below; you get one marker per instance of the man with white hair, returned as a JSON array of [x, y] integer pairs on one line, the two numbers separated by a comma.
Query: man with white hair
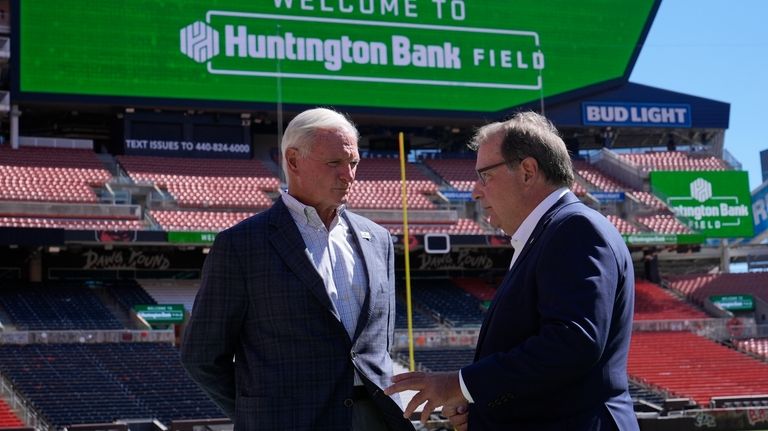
[[293, 323]]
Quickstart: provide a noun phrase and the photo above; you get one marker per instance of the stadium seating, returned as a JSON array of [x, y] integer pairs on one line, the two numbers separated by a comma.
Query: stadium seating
[[684, 364], [460, 173], [205, 183], [477, 287], [97, 383], [452, 359], [452, 305], [664, 223], [440, 359], [622, 225], [378, 186], [755, 346], [50, 174], [661, 222], [387, 194], [654, 303], [699, 287], [420, 319], [128, 293], [212, 221], [83, 223], [600, 181], [578, 189], [650, 200], [55, 175], [674, 161], [55, 306], [597, 179], [462, 226]]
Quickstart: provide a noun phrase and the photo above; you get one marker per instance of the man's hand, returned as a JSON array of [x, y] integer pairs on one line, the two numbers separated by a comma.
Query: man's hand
[[437, 389], [457, 415]]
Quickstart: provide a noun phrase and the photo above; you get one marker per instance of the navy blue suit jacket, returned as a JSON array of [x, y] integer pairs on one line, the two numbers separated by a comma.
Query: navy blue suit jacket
[[552, 351], [262, 302]]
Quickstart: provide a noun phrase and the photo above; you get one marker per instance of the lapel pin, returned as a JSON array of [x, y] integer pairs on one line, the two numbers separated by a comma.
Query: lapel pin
[[365, 235]]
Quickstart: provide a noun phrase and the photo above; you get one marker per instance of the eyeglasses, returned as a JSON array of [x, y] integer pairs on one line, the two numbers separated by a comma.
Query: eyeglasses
[[482, 172]]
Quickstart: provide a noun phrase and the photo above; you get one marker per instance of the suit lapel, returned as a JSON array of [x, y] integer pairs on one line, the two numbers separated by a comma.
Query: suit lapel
[[567, 199], [288, 243], [368, 251]]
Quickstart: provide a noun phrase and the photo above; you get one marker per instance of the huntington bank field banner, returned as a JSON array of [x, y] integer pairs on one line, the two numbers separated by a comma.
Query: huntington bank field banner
[[460, 55], [715, 204]]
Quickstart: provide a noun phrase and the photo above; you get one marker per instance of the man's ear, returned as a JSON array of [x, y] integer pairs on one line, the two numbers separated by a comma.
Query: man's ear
[[530, 168], [291, 157]]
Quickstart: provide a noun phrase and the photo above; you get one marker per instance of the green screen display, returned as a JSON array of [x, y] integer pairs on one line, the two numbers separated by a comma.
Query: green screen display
[[173, 313], [734, 302], [716, 204], [462, 55]]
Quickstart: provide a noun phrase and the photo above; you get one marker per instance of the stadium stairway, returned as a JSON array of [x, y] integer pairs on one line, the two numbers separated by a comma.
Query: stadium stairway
[[110, 164], [434, 176]]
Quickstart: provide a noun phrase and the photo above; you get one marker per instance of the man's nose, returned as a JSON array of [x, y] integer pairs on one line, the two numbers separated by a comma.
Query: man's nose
[[347, 172], [477, 191]]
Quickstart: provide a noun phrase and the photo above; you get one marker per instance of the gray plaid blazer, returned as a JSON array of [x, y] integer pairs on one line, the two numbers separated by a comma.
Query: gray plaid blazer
[[262, 302]]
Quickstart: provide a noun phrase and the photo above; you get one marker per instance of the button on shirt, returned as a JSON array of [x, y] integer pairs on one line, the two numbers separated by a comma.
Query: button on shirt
[[334, 254]]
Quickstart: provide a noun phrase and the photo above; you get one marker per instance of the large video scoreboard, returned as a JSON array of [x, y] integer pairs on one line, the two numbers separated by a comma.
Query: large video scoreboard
[[454, 55]]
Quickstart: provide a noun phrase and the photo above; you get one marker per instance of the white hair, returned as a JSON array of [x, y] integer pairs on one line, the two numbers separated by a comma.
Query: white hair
[[300, 133]]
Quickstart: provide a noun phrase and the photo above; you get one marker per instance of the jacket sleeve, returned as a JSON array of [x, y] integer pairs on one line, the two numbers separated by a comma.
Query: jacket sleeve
[[211, 337]]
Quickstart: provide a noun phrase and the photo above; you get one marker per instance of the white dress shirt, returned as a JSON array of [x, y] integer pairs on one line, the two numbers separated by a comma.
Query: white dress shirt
[[334, 254]]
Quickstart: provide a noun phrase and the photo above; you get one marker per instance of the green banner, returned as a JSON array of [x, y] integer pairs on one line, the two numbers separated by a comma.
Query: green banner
[[734, 302], [168, 313], [715, 204], [462, 55], [662, 239], [191, 237]]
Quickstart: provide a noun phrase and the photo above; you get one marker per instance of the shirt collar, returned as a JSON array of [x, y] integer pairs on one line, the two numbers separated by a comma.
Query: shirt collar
[[307, 215], [523, 233]]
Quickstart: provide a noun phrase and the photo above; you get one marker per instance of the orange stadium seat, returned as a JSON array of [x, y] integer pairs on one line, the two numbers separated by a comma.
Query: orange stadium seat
[[674, 161], [206, 183], [687, 365], [50, 174]]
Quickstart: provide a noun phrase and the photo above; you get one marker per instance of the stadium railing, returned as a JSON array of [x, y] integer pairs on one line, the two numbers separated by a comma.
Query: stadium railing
[[201, 425], [86, 336], [20, 405]]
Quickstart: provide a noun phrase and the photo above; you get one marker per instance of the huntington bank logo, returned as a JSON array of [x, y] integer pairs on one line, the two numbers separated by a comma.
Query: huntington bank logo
[[199, 41], [322, 48], [702, 210], [701, 190]]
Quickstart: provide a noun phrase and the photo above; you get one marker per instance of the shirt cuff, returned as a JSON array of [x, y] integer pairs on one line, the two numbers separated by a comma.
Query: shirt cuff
[[464, 390]]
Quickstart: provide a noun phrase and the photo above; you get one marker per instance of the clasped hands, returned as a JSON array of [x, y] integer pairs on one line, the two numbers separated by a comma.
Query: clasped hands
[[437, 389]]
